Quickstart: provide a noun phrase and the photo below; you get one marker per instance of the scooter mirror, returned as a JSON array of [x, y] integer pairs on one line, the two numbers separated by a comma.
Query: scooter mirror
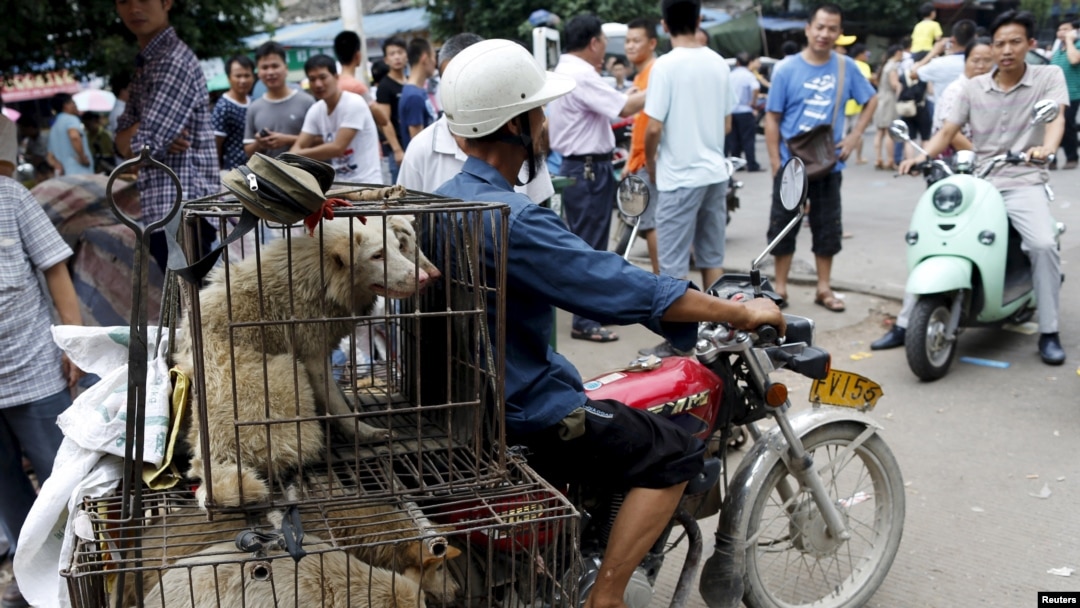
[[1044, 111], [632, 196], [793, 184], [898, 130]]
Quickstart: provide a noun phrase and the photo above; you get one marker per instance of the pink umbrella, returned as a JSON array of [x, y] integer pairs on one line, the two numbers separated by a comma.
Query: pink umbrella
[[94, 100], [12, 113]]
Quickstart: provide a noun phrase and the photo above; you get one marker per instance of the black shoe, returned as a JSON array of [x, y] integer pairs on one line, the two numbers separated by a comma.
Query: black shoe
[[1050, 349], [662, 350], [892, 339]]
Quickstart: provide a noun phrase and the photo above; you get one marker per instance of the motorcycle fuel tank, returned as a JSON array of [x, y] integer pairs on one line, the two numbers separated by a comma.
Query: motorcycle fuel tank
[[681, 389]]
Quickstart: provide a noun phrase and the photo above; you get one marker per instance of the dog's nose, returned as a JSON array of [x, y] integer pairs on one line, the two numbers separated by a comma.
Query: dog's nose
[[422, 277]]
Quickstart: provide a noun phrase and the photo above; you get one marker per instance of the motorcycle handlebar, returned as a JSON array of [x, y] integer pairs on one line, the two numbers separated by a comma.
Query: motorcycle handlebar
[[767, 333], [1015, 158]]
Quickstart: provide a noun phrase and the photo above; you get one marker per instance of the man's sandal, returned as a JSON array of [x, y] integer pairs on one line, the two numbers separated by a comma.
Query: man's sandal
[[830, 302], [595, 334]]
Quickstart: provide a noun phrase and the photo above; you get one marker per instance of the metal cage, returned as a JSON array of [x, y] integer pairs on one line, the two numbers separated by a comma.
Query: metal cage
[[434, 395], [406, 497], [511, 544]]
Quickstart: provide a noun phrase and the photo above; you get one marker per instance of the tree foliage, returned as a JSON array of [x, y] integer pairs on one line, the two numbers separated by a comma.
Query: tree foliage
[[87, 37], [501, 19]]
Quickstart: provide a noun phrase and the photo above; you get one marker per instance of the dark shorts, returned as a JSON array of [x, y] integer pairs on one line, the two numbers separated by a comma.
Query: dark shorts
[[611, 445], [825, 221]]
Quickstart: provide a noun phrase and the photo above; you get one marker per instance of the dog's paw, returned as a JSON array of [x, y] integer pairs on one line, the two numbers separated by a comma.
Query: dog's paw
[[366, 432], [228, 487]]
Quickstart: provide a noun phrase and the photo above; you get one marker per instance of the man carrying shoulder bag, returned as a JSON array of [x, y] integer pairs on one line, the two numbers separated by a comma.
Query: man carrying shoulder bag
[[803, 119]]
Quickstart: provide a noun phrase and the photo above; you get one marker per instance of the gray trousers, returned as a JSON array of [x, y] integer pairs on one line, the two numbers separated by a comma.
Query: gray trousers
[[1029, 213]]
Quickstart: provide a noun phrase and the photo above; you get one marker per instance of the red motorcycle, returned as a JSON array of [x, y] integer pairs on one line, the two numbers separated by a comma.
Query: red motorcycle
[[814, 512]]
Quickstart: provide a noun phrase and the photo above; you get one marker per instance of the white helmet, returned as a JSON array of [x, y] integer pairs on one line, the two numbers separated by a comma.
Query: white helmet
[[491, 82]]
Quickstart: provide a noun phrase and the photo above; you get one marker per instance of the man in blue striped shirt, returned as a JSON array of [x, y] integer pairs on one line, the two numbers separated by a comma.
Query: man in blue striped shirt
[[169, 111]]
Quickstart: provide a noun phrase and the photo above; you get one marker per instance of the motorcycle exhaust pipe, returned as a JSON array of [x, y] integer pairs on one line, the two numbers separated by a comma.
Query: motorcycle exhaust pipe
[[693, 558], [721, 584]]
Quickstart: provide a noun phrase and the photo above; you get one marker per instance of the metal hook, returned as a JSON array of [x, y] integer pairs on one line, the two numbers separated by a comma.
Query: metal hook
[[144, 157]]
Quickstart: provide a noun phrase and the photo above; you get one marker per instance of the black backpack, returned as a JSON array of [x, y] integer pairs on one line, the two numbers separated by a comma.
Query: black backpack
[[911, 91]]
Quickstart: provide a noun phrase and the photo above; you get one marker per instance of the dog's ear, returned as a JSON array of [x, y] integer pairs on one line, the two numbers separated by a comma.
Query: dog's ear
[[402, 224], [341, 248], [429, 560]]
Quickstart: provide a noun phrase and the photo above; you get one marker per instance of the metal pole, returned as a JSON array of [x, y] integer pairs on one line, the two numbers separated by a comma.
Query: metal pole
[[352, 18]]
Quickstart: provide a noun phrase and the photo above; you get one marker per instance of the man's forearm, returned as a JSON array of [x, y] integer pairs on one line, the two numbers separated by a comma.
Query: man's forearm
[[652, 140], [321, 151], [772, 139], [63, 294], [1072, 53], [391, 136], [866, 115], [937, 144], [1055, 132]]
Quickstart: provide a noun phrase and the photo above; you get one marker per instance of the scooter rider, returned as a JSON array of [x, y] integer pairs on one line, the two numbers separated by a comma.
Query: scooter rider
[[493, 94], [997, 106]]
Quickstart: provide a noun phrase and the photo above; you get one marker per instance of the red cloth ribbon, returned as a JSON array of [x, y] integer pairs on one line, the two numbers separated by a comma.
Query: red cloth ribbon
[[326, 211]]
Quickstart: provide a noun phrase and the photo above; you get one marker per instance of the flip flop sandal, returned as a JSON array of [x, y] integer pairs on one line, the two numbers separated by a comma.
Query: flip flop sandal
[[596, 334], [830, 302]]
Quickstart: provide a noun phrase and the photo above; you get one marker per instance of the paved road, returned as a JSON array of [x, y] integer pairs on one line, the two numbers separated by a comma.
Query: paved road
[[974, 446]]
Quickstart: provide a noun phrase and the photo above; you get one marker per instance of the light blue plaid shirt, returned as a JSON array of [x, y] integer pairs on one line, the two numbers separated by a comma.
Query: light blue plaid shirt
[[29, 360]]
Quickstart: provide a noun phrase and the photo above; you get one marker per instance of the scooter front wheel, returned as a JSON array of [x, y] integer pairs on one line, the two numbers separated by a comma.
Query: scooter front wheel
[[792, 559], [929, 347]]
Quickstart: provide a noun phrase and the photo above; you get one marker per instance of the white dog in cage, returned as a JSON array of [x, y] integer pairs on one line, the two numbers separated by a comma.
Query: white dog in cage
[[374, 341], [215, 577], [300, 295]]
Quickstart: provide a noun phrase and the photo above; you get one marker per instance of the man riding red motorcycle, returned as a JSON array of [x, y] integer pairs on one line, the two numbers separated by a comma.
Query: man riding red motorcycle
[[493, 94]]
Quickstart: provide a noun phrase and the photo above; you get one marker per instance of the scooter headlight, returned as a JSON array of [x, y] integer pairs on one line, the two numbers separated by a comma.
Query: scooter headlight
[[948, 198]]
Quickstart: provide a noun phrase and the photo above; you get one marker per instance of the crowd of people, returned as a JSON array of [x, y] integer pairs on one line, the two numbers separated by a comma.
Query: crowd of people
[[484, 134]]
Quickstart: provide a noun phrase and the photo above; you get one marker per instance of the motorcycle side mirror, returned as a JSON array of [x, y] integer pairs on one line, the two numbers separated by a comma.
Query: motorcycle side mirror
[[632, 196], [899, 133], [1044, 111], [794, 186], [898, 130]]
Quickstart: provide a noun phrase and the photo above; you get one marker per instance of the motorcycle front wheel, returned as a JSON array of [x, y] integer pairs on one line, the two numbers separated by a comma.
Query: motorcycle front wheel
[[791, 558], [929, 349]]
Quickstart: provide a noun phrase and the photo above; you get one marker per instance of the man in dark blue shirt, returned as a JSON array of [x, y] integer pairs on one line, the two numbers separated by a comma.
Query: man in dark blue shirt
[[414, 107], [493, 94]]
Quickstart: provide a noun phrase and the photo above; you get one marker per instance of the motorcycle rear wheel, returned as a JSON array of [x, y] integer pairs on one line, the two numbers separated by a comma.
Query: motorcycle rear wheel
[[792, 561], [929, 351]]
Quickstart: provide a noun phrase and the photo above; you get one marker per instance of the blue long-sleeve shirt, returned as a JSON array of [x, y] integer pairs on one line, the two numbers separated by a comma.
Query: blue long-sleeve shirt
[[547, 266]]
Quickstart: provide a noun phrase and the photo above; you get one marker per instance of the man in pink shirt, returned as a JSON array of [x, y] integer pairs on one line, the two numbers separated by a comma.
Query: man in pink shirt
[[580, 130]]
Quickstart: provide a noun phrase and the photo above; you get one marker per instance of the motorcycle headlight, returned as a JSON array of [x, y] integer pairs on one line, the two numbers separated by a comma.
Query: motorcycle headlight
[[948, 198]]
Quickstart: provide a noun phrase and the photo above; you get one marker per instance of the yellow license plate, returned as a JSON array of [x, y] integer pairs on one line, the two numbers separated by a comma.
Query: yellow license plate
[[846, 389]]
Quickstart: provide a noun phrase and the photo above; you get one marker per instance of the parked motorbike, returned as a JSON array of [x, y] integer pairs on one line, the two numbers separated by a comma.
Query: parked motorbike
[[965, 261], [626, 230], [813, 514]]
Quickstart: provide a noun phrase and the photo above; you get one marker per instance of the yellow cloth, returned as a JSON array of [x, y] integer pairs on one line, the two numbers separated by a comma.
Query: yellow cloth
[[167, 475], [852, 108], [925, 35]]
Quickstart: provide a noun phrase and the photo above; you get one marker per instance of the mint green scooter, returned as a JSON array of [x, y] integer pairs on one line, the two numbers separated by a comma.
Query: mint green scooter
[[965, 264]]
